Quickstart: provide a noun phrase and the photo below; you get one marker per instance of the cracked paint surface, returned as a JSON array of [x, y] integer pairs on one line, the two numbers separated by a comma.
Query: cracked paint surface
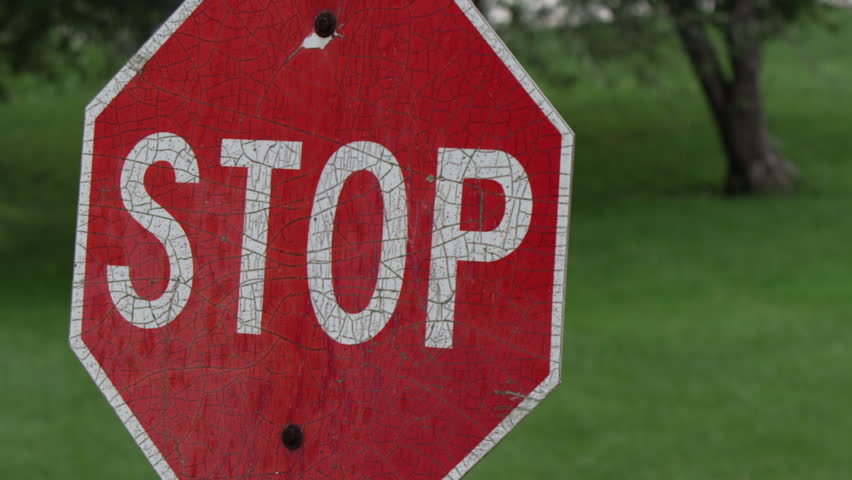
[[365, 237]]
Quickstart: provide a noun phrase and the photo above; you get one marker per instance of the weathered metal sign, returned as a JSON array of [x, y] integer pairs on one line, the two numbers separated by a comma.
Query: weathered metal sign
[[322, 240]]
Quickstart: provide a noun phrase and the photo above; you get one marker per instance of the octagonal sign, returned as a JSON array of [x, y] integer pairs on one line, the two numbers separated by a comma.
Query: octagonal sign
[[322, 239]]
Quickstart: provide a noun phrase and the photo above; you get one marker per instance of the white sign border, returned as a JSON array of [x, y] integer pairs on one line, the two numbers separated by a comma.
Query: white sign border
[[135, 65]]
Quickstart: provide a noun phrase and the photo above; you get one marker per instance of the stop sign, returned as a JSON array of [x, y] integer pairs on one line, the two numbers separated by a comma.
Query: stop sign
[[322, 239]]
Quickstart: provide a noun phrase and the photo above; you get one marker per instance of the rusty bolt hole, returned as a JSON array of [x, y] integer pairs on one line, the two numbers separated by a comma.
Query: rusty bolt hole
[[293, 437], [325, 24]]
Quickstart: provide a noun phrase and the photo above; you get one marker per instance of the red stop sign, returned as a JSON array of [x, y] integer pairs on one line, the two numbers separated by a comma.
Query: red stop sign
[[322, 240]]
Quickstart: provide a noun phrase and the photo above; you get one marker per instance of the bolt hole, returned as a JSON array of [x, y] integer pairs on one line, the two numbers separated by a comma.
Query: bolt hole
[[293, 437], [325, 24]]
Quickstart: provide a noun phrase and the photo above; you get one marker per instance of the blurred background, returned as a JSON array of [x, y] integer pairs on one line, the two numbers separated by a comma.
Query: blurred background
[[709, 317]]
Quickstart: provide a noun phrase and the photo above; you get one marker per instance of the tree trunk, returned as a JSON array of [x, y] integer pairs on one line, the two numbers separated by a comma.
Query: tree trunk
[[754, 164]]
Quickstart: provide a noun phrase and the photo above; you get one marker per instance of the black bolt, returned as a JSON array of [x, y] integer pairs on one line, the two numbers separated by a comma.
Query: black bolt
[[325, 24], [293, 437]]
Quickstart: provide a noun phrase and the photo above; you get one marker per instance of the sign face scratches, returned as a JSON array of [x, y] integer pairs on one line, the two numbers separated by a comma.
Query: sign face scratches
[[322, 240]]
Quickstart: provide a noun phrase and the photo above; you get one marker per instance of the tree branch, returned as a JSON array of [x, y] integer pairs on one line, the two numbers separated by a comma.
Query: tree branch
[[743, 38], [691, 29]]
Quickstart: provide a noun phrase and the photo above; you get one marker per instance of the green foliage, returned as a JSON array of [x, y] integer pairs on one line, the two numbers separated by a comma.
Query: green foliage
[[62, 43], [719, 10], [596, 54], [590, 53], [638, 33]]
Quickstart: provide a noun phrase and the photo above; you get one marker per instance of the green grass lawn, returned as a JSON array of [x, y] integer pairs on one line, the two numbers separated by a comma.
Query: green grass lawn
[[707, 337]]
